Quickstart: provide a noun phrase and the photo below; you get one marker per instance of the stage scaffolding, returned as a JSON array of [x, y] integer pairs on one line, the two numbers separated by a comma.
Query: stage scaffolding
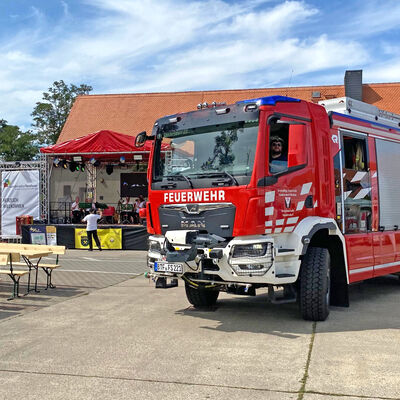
[[44, 177]]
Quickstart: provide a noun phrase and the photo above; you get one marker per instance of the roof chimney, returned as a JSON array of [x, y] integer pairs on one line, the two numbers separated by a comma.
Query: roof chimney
[[353, 84]]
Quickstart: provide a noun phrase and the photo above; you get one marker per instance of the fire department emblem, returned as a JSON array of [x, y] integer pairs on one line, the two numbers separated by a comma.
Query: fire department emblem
[[288, 202]]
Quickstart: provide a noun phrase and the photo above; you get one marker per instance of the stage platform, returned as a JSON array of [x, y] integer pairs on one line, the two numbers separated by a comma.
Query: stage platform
[[73, 236]]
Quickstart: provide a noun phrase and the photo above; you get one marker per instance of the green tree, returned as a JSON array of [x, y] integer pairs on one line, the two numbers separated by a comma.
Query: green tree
[[49, 115], [16, 145]]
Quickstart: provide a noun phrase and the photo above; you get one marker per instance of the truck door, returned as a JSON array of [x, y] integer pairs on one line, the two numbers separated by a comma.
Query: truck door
[[353, 203], [288, 166]]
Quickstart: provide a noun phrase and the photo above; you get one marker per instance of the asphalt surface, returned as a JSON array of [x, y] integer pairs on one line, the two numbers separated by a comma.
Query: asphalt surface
[[105, 332]]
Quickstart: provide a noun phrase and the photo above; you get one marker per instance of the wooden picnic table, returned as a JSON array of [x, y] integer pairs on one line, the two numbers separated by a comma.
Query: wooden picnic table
[[27, 256]]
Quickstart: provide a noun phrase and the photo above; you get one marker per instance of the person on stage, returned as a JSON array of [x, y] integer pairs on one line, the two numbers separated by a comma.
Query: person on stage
[[92, 205], [127, 209], [142, 204], [76, 211], [136, 206]]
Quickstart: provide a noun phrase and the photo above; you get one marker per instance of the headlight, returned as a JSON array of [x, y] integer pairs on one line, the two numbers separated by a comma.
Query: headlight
[[154, 253], [251, 259], [154, 245], [250, 250]]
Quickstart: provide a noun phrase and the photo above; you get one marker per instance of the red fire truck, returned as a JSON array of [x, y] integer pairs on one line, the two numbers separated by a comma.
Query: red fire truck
[[277, 193]]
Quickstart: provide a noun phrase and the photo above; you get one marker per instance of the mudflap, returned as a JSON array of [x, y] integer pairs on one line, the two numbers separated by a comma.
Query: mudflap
[[339, 292]]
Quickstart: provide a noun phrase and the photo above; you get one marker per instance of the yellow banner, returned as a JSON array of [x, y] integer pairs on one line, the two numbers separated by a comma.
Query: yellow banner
[[109, 238]]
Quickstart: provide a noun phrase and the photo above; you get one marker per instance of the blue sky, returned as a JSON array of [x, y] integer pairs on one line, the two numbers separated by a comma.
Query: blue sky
[[129, 46]]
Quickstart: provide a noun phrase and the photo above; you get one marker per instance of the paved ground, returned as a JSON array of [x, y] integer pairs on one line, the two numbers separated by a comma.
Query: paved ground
[[127, 340], [82, 272]]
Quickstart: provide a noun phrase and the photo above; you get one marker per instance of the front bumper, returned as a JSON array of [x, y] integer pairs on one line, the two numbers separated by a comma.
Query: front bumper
[[223, 265]]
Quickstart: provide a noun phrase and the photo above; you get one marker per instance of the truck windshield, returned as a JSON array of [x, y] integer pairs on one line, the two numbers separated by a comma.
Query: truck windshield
[[224, 151]]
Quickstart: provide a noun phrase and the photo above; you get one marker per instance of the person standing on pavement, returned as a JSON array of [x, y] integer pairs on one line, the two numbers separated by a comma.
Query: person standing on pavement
[[91, 228]]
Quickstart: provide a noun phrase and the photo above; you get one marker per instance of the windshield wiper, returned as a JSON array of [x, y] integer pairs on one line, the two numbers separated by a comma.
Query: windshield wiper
[[178, 176], [231, 177], [220, 173]]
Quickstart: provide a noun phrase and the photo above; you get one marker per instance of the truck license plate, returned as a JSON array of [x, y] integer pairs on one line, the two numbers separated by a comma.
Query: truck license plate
[[166, 267]]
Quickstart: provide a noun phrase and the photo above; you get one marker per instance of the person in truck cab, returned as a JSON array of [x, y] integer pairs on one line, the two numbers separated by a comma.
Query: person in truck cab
[[277, 158]]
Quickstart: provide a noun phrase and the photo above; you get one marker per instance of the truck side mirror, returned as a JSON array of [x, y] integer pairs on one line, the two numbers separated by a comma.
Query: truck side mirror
[[141, 139], [297, 154]]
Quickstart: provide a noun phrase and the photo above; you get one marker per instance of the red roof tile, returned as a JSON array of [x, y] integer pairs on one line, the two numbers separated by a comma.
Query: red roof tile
[[132, 113]]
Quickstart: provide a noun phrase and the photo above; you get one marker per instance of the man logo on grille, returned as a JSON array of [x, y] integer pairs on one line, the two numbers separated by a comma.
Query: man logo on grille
[[192, 208]]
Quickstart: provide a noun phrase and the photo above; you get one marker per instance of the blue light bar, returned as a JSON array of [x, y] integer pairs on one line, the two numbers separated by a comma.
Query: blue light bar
[[270, 100]]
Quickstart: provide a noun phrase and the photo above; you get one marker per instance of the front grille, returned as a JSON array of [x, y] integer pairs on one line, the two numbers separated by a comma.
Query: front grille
[[217, 218], [194, 208]]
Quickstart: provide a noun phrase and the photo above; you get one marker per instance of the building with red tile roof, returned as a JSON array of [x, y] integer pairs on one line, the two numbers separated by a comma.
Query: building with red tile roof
[[132, 113]]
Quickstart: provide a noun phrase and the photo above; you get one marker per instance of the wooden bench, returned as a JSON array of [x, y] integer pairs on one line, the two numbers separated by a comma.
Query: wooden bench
[[6, 268], [47, 268]]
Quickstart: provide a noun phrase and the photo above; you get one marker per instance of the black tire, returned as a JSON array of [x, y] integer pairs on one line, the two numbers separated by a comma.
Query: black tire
[[315, 284], [201, 297]]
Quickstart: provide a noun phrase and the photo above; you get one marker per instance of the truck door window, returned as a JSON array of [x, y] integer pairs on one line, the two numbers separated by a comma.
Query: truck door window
[[278, 146], [287, 145], [356, 185]]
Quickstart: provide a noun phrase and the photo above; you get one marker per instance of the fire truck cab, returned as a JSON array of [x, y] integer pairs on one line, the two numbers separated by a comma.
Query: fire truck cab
[[274, 192]]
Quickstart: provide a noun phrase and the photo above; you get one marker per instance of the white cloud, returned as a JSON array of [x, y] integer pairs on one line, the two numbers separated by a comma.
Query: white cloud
[[167, 45], [375, 17], [269, 24], [384, 71], [239, 64]]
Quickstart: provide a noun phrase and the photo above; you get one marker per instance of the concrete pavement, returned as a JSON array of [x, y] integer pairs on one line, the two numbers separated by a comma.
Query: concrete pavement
[[81, 273], [127, 340]]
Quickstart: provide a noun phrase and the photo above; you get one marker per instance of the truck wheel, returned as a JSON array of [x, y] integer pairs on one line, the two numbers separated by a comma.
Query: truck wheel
[[315, 284], [201, 297]]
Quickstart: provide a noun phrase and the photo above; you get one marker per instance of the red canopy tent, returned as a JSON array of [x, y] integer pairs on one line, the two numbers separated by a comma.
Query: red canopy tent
[[102, 145]]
